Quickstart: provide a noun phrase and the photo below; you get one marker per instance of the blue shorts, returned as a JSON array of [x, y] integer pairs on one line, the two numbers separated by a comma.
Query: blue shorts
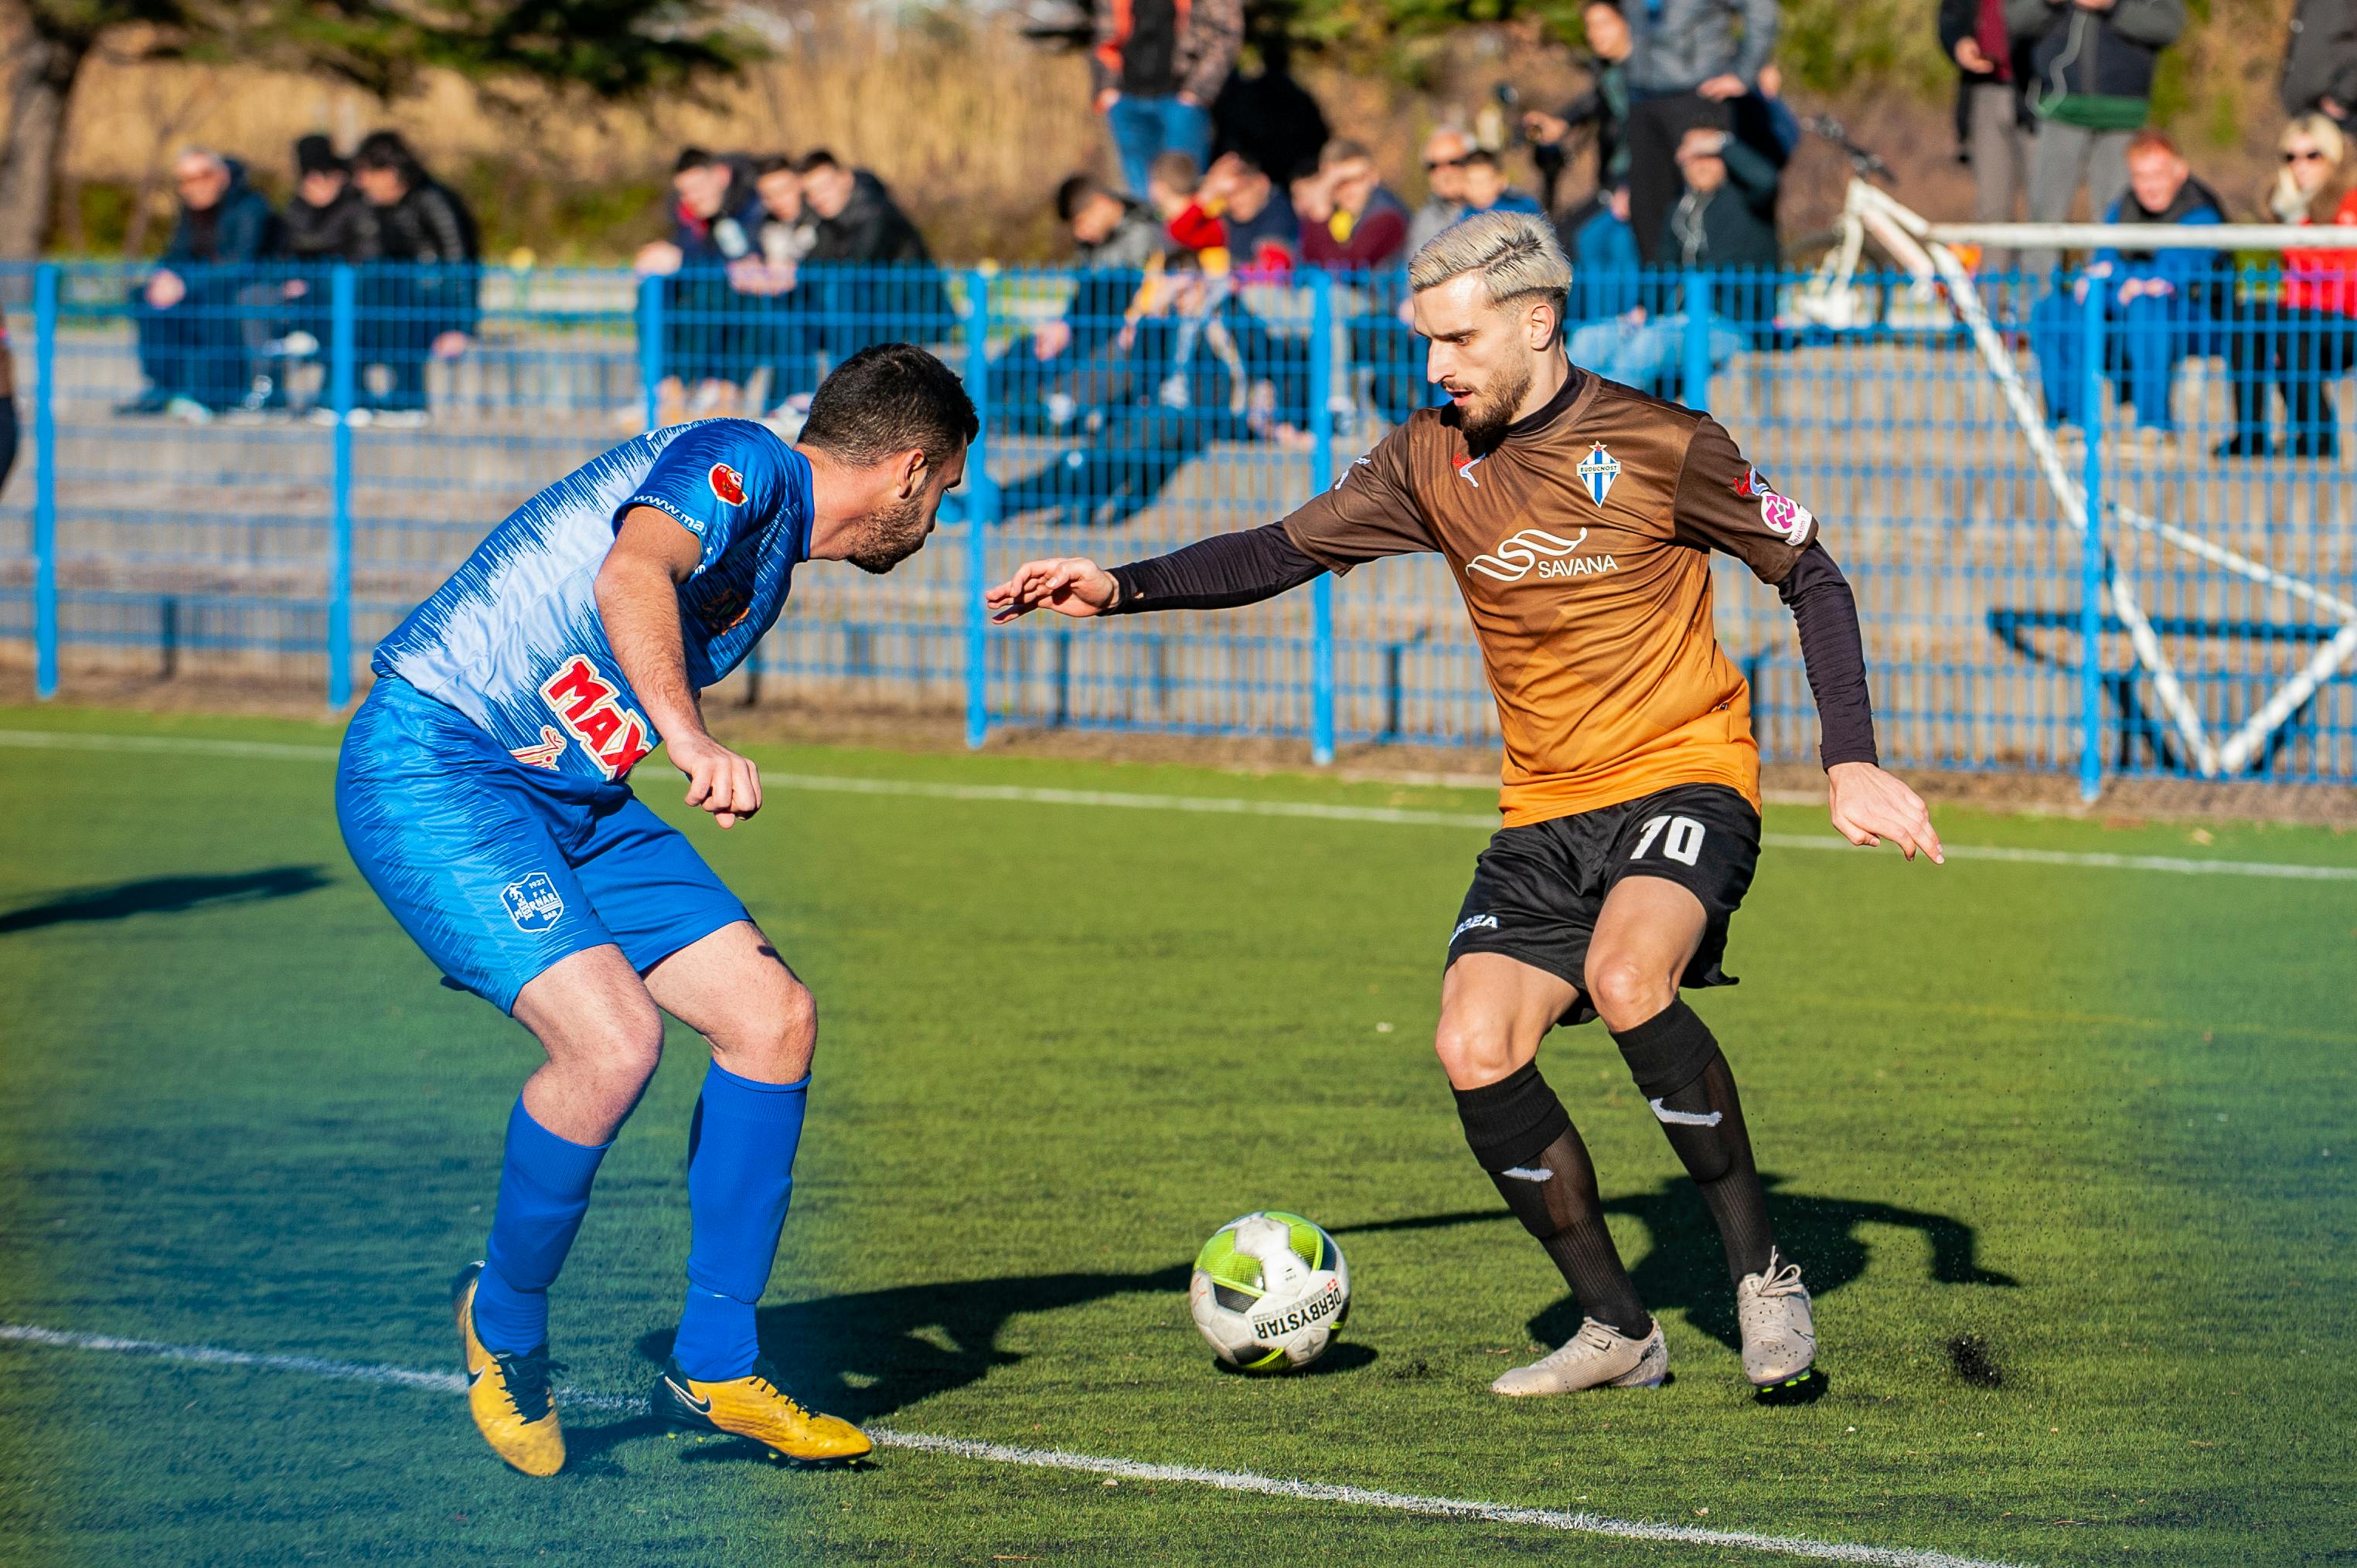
[[498, 869]]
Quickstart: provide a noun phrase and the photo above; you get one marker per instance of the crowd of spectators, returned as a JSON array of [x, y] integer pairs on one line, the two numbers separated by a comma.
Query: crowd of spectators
[[1231, 179], [239, 297]]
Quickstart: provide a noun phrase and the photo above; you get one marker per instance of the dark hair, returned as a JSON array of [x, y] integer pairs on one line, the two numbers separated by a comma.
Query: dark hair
[[691, 157], [1076, 192], [817, 158], [387, 150], [773, 163], [1481, 155], [887, 399]]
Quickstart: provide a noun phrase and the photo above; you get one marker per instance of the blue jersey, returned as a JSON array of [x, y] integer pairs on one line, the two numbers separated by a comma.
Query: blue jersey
[[514, 641]]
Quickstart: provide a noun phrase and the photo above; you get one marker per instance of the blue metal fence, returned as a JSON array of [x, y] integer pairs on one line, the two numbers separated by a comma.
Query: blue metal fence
[[262, 474]]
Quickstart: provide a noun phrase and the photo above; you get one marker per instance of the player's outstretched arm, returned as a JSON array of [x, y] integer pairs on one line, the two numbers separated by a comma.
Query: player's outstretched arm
[[638, 598], [1219, 572]]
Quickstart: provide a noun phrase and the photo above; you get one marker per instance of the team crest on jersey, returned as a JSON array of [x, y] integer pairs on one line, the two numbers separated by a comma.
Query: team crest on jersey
[[1597, 471], [533, 904], [727, 484], [544, 755], [590, 707]]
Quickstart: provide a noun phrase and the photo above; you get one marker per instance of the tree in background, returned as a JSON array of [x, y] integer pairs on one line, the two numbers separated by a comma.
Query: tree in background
[[604, 50]]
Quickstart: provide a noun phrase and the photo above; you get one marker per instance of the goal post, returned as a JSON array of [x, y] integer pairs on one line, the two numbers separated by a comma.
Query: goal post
[[1927, 253]]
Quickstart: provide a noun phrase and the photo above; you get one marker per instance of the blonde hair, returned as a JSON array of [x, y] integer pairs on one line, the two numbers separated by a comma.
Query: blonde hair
[[2283, 198], [1516, 254]]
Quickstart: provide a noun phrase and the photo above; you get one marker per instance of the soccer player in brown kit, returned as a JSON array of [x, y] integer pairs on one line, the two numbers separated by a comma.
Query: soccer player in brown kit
[[1578, 517]]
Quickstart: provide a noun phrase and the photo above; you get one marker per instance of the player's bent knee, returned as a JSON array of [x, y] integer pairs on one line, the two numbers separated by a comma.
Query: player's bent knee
[[1626, 991], [1475, 1051], [775, 1043]]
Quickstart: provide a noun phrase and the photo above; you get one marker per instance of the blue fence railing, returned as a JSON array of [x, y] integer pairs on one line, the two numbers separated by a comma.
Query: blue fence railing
[[258, 471]]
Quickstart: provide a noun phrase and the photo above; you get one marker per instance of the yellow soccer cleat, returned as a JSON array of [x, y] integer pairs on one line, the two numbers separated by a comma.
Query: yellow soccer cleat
[[756, 1407], [508, 1394]]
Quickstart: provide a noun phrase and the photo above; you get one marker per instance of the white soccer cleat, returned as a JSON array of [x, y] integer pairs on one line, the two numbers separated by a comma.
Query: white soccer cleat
[[1597, 1356], [1780, 1334]]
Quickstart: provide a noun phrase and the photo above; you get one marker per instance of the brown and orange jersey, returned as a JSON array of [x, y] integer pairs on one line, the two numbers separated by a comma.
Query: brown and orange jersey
[[1581, 543]]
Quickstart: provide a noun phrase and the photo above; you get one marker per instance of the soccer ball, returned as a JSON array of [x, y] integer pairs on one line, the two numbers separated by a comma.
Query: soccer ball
[[1269, 1291]]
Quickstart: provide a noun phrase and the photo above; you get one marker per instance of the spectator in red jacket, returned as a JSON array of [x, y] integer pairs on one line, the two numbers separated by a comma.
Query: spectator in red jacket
[[2308, 335], [1350, 219], [1174, 184]]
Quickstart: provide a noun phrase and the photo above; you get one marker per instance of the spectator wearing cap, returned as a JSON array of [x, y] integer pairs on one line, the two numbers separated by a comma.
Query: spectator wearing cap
[[1602, 109], [1157, 65], [326, 221], [418, 295], [192, 346], [1688, 60], [1445, 152], [2160, 301]]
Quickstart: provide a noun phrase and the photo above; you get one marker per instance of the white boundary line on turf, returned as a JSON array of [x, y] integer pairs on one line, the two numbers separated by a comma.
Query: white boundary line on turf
[[1215, 805], [1560, 1520]]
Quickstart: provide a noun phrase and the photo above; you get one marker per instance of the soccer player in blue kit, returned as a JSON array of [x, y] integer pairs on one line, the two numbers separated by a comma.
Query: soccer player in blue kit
[[483, 793]]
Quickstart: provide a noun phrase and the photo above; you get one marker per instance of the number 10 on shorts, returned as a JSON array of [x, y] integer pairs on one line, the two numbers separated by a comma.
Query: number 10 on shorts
[[1681, 839]]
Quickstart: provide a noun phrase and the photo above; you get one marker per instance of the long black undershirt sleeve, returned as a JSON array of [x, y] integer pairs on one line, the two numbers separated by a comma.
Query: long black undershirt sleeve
[[1825, 614], [1216, 574]]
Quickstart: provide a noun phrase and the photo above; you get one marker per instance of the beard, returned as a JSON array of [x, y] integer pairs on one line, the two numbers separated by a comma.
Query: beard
[[1486, 417], [890, 536]]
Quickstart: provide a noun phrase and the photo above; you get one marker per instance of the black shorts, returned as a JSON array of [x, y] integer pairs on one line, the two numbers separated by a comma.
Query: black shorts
[[1538, 889]]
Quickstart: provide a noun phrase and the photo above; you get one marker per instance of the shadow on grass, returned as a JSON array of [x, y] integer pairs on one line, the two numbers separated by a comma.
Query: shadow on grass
[[165, 895], [864, 1355], [1685, 1270]]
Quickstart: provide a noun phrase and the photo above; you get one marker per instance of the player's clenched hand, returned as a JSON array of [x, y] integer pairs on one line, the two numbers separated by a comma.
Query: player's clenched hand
[[718, 780], [1869, 805], [1068, 584]]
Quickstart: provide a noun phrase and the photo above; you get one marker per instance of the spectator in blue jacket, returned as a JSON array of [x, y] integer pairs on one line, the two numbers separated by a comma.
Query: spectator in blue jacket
[[193, 344], [1607, 279], [714, 216], [1487, 190], [2160, 305]]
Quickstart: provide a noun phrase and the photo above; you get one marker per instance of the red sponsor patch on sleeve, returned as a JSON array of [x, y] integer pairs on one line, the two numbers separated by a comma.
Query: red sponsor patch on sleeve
[[727, 484]]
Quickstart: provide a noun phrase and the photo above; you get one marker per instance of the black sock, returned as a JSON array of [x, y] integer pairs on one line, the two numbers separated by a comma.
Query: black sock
[[1520, 1133], [1684, 1076]]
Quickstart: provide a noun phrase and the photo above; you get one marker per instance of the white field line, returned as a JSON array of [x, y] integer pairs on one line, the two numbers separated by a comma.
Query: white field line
[[1215, 805], [1564, 1520]]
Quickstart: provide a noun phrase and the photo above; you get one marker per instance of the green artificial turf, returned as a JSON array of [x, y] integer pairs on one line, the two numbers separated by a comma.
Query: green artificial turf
[[2100, 1119]]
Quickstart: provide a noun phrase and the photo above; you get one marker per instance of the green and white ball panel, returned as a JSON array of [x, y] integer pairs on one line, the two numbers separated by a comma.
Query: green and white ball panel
[[1269, 1290]]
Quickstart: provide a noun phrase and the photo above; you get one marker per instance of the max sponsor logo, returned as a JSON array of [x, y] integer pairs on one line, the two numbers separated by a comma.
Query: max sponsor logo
[[590, 706], [727, 484], [1322, 1305], [1536, 549]]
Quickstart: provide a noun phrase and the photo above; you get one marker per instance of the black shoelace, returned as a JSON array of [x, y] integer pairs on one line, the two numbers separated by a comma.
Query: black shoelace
[[528, 1377]]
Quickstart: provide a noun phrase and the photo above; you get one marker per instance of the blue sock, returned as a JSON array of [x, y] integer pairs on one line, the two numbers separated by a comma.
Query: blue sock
[[544, 1192], [740, 1175]]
